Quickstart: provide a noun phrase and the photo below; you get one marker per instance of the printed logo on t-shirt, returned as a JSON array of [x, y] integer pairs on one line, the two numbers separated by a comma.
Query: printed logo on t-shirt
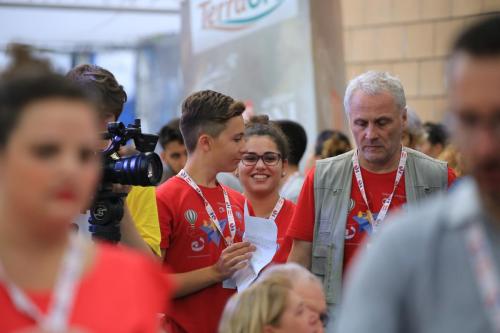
[[238, 215], [352, 204], [213, 235], [198, 245], [190, 215], [363, 223], [350, 232]]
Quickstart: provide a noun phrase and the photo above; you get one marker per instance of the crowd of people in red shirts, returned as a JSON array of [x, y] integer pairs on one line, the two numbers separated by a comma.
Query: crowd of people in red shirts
[[212, 271]]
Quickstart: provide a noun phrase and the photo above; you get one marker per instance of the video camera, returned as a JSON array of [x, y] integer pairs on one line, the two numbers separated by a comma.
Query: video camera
[[142, 169]]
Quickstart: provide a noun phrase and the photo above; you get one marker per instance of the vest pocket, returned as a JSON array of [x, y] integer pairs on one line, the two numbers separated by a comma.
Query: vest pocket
[[322, 266], [318, 266], [424, 190]]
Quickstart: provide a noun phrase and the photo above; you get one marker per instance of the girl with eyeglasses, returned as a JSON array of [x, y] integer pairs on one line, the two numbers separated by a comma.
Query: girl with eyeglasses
[[260, 171]]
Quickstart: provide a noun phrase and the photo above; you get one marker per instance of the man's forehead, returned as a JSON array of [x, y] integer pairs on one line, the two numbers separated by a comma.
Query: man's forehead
[[474, 79], [464, 67], [363, 101]]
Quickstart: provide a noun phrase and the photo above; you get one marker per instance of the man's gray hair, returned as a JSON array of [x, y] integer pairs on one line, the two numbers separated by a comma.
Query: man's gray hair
[[374, 83]]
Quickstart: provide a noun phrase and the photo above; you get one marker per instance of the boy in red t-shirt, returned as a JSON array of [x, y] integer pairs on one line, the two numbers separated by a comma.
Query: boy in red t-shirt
[[202, 221]]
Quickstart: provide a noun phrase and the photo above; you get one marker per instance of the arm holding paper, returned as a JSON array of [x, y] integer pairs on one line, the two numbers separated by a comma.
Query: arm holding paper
[[233, 258]]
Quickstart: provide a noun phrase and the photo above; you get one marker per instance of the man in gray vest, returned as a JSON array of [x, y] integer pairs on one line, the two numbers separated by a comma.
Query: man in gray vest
[[436, 268], [346, 198]]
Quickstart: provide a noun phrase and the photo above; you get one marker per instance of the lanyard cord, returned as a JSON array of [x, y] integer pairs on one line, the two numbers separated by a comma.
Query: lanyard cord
[[385, 207], [210, 211], [277, 209], [61, 304], [485, 271]]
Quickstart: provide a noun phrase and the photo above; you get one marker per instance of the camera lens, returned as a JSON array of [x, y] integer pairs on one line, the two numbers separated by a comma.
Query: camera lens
[[150, 171], [144, 169]]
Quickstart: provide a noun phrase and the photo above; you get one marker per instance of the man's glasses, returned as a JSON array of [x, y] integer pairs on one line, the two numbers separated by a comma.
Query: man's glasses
[[269, 158]]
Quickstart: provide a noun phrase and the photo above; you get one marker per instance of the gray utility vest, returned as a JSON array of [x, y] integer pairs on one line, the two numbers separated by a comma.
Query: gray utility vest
[[332, 193]]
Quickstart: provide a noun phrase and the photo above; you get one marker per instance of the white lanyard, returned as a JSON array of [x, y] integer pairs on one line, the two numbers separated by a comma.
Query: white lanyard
[[277, 209], [210, 211], [385, 207], [61, 303], [485, 271]]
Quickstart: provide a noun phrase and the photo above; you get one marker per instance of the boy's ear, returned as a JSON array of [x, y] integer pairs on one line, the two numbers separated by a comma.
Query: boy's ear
[[204, 142]]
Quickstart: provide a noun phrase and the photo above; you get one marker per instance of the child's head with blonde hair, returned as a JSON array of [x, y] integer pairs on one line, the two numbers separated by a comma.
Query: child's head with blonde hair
[[261, 304]]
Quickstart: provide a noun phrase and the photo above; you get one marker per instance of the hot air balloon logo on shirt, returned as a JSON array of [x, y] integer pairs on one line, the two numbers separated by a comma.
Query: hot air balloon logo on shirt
[[352, 203], [191, 216]]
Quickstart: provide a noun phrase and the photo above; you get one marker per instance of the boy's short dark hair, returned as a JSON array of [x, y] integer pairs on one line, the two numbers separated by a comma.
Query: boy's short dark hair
[[436, 133], [207, 112], [103, 86], [170, 132], [297, 139]]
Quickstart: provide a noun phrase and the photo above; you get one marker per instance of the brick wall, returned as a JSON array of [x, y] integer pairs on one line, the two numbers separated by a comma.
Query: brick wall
[[409, 38]]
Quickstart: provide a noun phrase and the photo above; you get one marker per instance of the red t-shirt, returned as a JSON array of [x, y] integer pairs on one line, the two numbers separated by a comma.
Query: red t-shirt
[[122, 292], [282, 222], [378, 188], [191, 242]]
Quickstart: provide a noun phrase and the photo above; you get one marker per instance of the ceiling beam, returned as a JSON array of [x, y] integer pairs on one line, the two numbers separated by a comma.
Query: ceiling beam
[[112, 8]]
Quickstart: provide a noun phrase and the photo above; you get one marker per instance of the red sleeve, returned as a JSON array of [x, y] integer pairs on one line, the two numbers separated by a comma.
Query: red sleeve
[[165, 215], [302, 224], [452, 176]]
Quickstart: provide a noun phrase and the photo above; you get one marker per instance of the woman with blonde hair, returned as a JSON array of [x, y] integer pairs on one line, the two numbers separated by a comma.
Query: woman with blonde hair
[[306, 284], [268, 306]]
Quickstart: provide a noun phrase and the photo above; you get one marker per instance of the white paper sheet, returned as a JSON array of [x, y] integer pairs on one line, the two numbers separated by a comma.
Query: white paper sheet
[[262, 233]]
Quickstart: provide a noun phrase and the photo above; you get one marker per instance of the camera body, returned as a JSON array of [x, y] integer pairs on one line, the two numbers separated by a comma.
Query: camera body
[[142, 169]]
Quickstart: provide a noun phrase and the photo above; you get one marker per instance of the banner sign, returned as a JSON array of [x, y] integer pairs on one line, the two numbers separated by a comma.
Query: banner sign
[[214, 22]]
